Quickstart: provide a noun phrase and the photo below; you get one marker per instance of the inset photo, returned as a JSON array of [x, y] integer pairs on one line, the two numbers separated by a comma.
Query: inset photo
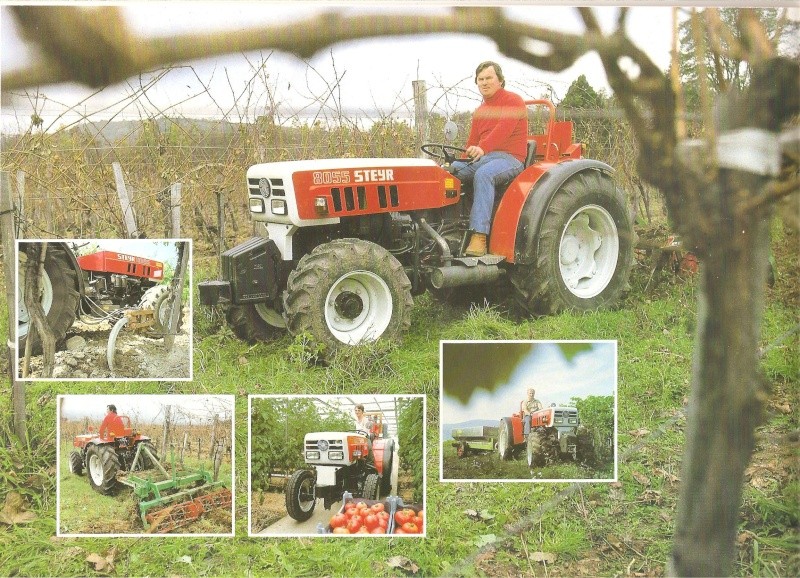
[[104, 309], [337, 465], [528, 411], [145, 465]]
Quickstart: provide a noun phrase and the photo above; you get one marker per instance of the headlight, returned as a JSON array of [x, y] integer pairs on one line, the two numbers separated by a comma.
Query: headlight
[[559, 420], [335, 455], [323, 445], [312, 455], [573, 420], [356, 453], [256, 205], [264, 187], [278, 207]]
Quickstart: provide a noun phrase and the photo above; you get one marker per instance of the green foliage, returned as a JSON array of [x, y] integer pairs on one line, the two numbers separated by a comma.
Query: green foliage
[[410, 423], [597, 415], [580, 94]]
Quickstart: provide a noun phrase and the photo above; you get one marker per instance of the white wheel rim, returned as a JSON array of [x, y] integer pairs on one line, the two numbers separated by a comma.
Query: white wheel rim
[[46, 290], [270, 316], [96, 470], [358, 307], [306, 488], [503, 443], [588, 251]]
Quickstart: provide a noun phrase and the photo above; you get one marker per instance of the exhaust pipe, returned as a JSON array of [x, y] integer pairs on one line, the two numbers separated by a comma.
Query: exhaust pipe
[[458, 275]]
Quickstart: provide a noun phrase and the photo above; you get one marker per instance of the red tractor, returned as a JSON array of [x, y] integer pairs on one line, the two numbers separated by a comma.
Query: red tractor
[[90, 285], [341, 463], [104, 457], [555, 431], [345, 243]]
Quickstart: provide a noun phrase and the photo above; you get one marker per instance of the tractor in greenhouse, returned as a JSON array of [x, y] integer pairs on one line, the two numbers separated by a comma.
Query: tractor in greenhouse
[[341, 462], [166, 500], [343, 244]]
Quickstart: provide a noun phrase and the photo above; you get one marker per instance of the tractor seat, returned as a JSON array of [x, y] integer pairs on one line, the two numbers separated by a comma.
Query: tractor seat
[[531, 154]]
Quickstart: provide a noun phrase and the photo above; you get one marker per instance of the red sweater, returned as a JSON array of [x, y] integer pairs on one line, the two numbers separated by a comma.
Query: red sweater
[[501, 124], [112, 424]]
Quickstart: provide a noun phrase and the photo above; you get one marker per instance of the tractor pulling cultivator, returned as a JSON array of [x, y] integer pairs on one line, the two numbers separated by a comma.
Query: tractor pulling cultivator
[[165, 501]]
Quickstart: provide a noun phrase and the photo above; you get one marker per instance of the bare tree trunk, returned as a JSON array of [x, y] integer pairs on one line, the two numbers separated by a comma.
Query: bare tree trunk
[[213, 436], [728, 390]]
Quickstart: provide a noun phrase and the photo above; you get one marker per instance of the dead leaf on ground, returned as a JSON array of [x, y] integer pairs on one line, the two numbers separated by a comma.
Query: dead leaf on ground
[[485, 556], [103, 563], [616, 485], [641, 478], [483, 515], [641, 432], [485, 540], [402, 563], [243, 361], [783, 408], [651, 497], [543, 557], [671, 478], [615, 542], [14, 511]]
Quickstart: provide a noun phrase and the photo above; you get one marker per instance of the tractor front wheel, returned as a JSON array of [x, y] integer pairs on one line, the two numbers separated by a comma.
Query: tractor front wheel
[[301, 495], [255, 322], [75, 462], [102, 465], [388, 464], [505, 439], [347, 292], [372, 487], [585, 249]]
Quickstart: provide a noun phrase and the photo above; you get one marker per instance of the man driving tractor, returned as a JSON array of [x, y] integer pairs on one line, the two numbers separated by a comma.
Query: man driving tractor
[[112, 425], [527, 407]]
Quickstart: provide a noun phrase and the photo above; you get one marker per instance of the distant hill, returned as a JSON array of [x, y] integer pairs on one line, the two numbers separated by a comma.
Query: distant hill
[[447, 429]]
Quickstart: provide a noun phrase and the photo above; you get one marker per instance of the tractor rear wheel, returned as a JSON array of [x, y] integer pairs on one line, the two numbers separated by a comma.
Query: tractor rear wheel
[[145, 463], [372, 487], [102, 465], [300, 495], [255, 322], [75, 462], [60, 295], [388, 464], [157, 299], [585, 249], [347, 292], [505, 439]]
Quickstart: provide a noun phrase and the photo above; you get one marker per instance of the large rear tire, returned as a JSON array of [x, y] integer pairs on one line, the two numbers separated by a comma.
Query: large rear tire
[[59, 294], [348, 292], [145, 463], [505, 439], [585, 249], [255, 322], [102, 465], [300, 495], [388, 464]]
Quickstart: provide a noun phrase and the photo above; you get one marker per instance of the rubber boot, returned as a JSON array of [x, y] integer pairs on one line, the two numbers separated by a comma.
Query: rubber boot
[[477, 245]]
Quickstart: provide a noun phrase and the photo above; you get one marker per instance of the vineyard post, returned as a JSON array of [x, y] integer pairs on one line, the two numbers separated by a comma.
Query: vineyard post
[[420, 113], [21, 222], [221, 225], [125, 202], [166, 431], [175, 209], [7, 231], [183, 446], [198, 448], [213, 436]]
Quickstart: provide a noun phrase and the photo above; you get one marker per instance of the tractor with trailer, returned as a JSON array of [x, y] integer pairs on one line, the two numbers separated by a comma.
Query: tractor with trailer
[[555, 431], [341, 462], [90, 287], [343, 244], [165, 500]]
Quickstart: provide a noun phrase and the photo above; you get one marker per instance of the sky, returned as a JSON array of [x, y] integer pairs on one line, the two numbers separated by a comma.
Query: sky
[[556, 380], [376, 74], [142, 408]]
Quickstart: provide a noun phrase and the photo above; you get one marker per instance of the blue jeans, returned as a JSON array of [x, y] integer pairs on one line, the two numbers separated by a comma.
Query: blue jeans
[[485, 174], [526, 424]]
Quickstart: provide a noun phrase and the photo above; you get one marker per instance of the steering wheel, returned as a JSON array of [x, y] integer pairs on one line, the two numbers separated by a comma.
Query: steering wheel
[[445, 152]]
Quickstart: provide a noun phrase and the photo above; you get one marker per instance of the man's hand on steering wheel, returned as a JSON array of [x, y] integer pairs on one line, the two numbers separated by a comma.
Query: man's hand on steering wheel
[[445, 152]]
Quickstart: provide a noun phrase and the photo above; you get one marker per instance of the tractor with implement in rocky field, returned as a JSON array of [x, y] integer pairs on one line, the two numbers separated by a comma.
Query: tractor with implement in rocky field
[[343, 244], [166, 500], [359, 462]]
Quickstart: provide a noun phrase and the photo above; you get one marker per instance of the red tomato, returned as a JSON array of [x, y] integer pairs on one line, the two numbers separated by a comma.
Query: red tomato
[[398, 531], [363, 530], [354, 524], [349, 507], [404, 515], [418, 520], [410, 528], [338, 521], [383, 523], [384, 515], [377, 507], [362, 506], [341, 530], [371, 521], [378, 530]]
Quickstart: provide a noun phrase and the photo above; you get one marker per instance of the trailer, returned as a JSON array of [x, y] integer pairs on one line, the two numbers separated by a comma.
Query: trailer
[[481, 438]]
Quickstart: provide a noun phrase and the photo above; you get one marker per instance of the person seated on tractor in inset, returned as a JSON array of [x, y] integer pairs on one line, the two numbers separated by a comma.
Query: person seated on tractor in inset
[[365, 424], [496, 149], [527, 407], [112, 425]]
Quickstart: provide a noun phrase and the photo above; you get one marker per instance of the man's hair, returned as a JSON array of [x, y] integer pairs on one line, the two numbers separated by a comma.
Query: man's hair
[[499, 71], [360, 406], [112, 407], [531, 391]]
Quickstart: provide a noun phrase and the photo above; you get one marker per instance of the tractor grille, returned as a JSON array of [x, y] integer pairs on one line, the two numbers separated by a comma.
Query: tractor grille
[[565, 417], [276, 185], [347, 199], [335, 444]]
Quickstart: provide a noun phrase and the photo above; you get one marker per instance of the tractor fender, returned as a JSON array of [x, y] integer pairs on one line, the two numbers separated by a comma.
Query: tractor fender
[[515, 231]]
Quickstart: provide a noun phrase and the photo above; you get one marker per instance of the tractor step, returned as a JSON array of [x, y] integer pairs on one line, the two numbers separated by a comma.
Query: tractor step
[[468, 271]]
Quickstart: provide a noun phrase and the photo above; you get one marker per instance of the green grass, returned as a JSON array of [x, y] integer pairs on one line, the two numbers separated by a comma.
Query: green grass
[[599, 529]]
